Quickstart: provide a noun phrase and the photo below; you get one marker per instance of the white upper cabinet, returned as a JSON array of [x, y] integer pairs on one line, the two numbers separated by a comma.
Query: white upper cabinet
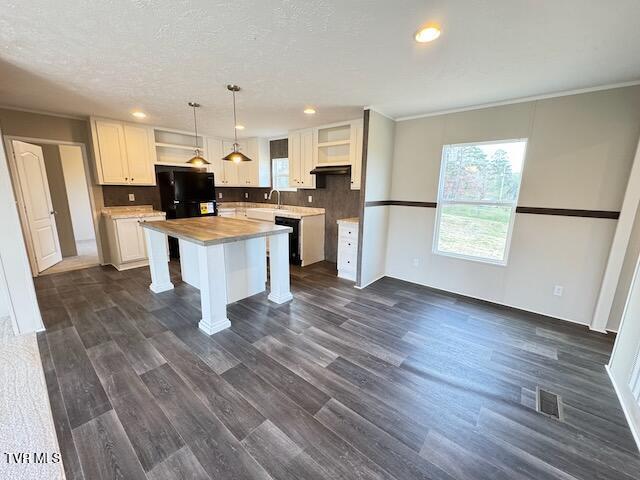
[[214, 156], [141, 154], [337, 144], [301, 158], [256, 173], [333, 144], [355, 152], [124, 153], [110, 152]]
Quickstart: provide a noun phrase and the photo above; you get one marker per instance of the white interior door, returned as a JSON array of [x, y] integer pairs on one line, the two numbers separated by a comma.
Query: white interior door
[[37, 204]]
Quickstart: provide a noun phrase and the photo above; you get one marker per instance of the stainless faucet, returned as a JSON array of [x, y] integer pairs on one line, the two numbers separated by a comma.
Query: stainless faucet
[[278, 191]]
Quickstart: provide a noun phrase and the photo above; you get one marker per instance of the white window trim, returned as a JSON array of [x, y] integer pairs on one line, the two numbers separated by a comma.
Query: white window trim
[[273, 177], [501, 263]]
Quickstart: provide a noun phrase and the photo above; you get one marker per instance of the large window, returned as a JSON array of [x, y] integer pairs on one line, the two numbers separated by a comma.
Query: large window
[[479, 186], [280, 173]]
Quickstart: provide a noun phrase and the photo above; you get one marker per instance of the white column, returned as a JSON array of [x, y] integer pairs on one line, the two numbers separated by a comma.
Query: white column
[[279, 268], [158, 261], [213, 289]]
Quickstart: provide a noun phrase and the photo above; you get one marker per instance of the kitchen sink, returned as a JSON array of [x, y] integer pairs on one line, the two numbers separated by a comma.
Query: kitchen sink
[[265, 214]]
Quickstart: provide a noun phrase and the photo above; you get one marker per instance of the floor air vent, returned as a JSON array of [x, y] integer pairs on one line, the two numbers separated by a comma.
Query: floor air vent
[[549, 403]]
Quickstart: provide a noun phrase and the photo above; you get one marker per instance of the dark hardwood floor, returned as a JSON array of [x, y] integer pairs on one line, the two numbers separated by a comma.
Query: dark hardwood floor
[[392, 382]]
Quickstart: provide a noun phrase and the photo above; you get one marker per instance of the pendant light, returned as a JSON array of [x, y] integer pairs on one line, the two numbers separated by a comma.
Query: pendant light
[[236, 156], [197, 160]]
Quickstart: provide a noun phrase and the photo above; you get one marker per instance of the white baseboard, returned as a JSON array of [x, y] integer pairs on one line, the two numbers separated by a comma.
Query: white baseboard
[[635, 429], [360, 287]]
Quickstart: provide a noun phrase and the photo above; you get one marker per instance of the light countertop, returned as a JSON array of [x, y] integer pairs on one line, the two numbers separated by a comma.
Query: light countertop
[[351, 220], [289, 211], [133, 211], [215, 230]]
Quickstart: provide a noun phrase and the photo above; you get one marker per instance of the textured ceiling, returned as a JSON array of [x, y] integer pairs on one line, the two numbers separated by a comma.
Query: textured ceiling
[[108, 57]]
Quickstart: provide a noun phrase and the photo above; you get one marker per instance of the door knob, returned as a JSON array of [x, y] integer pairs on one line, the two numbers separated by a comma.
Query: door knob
[[53, 212]]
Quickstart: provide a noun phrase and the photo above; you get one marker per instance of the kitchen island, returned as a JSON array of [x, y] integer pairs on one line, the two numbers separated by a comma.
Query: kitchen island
[[225, 258]]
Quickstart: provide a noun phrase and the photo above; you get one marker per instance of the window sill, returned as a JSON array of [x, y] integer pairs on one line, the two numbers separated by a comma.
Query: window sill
[[468, 258]]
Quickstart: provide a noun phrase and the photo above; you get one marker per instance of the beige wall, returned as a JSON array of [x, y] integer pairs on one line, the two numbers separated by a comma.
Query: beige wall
[[63, 129], [380, 144], [579, 155], [35, 125]]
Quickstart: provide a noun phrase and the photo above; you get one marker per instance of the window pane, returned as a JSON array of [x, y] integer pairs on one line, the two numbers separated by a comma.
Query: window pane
[[281, 182], [474, 230], [483, 172]]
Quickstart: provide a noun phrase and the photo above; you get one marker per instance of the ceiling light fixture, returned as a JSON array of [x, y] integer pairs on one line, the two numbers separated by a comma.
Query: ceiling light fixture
[[236, 156], [197, 159], [139, 114], [428, 33], [239, 127], [309, 111]]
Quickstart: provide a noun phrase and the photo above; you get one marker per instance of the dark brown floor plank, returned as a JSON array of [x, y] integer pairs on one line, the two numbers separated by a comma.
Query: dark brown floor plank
[[394, 381], [83, 395], [105, 451], [218, 451], [222, 399], [326, 448], [182, 465]]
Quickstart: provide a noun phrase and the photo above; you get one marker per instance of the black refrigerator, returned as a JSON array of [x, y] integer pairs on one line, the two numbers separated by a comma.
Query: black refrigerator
[[186, 194]]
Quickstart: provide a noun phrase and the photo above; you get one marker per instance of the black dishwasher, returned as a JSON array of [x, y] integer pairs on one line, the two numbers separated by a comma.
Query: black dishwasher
[[294, 238]]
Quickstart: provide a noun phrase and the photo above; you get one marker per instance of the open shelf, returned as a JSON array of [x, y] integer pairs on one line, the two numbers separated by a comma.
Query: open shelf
[[334, 143], [176, 146], [334, 135]]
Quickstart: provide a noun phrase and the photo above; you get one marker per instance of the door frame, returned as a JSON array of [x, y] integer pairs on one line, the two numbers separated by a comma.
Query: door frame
[[13, 173]]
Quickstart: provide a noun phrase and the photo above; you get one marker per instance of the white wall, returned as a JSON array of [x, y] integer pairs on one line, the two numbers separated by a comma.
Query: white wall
[[580, 152], [75, 181], [625, 355], [377, 187]]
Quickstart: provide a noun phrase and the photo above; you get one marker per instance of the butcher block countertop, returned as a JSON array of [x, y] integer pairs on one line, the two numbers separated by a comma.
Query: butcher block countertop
[[215, 230]]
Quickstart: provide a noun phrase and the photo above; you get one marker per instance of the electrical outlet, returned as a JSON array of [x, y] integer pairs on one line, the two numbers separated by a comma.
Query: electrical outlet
[[558, 290], [416, 262], [266, 196], [219, 194], [246, 195], [310, 198], [132, 197]]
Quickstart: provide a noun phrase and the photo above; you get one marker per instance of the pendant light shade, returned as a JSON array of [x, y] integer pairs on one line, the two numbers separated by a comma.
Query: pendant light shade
[[236, 156], [197, 160]]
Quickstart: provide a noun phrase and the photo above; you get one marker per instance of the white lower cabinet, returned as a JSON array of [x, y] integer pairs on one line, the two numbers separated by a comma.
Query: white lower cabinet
[[347, 249], [127, 245]]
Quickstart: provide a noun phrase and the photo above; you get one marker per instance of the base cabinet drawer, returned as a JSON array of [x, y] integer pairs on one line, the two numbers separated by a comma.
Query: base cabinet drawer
[[348, 232], [347, 250]]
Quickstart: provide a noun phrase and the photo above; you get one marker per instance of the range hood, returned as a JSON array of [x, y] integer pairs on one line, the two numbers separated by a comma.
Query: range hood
[[332, 170]]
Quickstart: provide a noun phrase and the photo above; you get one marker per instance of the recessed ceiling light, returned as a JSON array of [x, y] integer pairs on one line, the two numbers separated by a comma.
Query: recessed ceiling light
[[139, 114], [239, 127], [428, 33], [310, 111]]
